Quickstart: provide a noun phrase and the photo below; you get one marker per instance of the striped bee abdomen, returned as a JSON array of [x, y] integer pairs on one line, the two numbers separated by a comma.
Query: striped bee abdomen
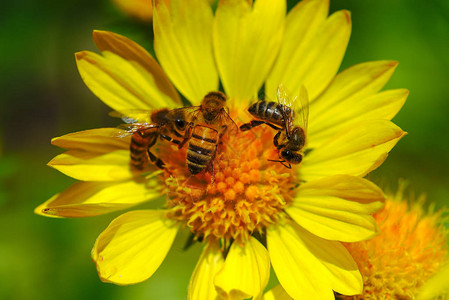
[[201, 149], [268, 111], [140, 141]]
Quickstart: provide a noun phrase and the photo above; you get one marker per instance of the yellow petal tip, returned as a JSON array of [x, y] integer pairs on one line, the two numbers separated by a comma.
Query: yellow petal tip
[[347, 15], [41, 210], [80, 55]]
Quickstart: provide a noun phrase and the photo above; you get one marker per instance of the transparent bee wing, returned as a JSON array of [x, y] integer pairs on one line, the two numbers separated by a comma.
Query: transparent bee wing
[[284, 99], [129, 129], [188, 113], [282, 96], [232, 126], [133, 115], [302, 109]]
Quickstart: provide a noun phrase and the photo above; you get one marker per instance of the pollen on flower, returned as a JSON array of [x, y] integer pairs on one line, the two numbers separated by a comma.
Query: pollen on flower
[[242, 194], [412, 246]]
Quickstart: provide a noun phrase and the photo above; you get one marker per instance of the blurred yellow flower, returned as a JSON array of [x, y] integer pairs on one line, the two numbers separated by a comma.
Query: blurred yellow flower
[[140, 9], [412, 246], [255, 211], [408, 260]]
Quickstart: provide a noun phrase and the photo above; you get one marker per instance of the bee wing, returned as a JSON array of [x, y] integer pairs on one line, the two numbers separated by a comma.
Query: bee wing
[[133, 115], [299, 106], [302, 109], [129, 129], [188, 113], [284, 99], [226, 119]]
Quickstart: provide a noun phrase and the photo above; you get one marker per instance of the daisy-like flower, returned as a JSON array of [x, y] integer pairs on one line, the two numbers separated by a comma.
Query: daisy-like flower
[[407, 260], [254, 213], [412, 246]]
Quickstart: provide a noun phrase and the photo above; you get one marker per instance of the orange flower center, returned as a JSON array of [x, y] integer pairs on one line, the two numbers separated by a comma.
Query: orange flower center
[[240, 193]]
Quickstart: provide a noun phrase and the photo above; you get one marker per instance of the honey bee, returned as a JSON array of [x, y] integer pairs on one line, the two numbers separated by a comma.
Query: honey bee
[[201, 126], [209, 123], [290, 121], [163, 123]]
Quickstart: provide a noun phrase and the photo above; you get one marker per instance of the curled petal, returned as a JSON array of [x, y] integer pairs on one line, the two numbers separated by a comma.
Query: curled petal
[[163, 94], [245, 272], [121, 82], [201, 284], [86, 199], [133, 246], [101, 140], [88, 166]]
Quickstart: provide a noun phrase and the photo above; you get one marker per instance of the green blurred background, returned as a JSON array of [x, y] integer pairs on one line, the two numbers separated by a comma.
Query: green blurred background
[[43, 96]]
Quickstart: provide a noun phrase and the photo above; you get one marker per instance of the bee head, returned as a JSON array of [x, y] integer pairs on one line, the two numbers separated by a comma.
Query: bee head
[[297, 139], [160, 116], [291, 156], [213, 104]]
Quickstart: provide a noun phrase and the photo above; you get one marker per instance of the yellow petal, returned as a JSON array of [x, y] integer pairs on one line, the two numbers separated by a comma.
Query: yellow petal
[[384, 105], [201, 284], [139, 9], [309, 267], [343, 272], [183, 45], [312, 49], [246, 42], [338, 208], [133, 246], [121, 84], [101, 140], [163, 94], [245, 272], [88, 166], [86, 199], [437, 286], [349, 97], [276, 293], [354, 151], [299, 272]]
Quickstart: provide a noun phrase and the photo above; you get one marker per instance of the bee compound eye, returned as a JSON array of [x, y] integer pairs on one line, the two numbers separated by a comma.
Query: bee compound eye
[[286, 154], [180, 123]]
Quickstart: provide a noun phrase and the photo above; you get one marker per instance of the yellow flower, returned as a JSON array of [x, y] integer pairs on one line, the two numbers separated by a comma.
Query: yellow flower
[[412, 246], [255, 211], [408, 260], [140, 9]]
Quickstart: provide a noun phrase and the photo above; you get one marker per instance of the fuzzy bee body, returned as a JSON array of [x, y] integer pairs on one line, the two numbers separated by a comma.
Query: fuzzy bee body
[[291, 136], [202, 148], [206, 129], [164, 123], [269, 111]]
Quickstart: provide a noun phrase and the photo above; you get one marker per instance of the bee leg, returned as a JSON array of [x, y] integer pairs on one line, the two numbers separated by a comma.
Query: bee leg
[[170, 139], [155, 160], [187, 136], [275, 140], [254, 123], [289, 166], [224, 128]]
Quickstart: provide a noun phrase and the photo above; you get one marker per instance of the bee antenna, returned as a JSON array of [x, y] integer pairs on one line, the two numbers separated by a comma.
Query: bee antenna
[[226, 110], [289, 166]]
